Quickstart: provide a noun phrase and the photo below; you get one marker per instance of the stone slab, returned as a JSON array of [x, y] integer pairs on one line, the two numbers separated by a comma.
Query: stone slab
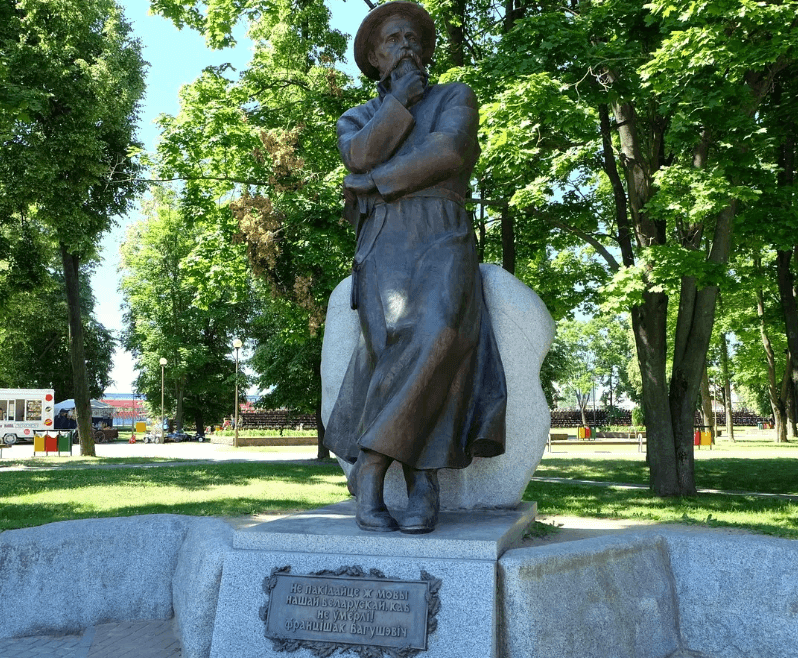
[[195, 584], [466, 620], [610, 597], [738, 594], [473, 535], [64, 577], [524, 331]]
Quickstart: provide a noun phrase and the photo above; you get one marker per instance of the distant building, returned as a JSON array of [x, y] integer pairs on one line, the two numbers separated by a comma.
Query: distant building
[[128, 408]]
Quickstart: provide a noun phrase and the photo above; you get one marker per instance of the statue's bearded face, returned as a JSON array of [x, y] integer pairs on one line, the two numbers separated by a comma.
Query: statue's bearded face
[[397, 48]]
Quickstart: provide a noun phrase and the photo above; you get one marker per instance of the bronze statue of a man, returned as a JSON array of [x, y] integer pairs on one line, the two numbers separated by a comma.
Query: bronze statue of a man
[[425, 385]]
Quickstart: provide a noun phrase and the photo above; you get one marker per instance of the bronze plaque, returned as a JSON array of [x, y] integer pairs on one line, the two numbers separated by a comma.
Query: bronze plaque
[[322, 609]]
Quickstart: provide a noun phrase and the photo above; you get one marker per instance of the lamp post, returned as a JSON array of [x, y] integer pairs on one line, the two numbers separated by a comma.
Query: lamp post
[[163, 364], [237, 344]]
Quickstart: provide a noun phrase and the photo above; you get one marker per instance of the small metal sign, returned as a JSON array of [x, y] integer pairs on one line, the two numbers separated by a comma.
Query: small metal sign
[[350, 609]]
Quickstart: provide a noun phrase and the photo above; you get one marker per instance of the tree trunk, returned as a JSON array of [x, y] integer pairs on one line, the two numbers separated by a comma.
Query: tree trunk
[[71, 263], [455, 30], [667, 458], [789, 405], [724, 365], [784, 431], [508, 241], [322, 452], [514, 10], [707, 412], [649, 323], [582, 406], [776, 403], [790, 311]]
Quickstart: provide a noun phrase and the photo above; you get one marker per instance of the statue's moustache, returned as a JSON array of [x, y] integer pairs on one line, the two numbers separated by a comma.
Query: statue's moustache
[[405, 62]]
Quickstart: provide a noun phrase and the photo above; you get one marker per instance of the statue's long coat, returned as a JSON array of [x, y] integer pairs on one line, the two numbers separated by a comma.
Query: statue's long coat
[[425, 385]]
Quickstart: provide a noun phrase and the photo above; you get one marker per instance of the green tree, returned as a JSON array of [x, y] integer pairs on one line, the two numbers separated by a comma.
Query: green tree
[[186, 292], [637, 129], [597, 351], [34, 341], [267, 141], [579, 376], [74, 76]]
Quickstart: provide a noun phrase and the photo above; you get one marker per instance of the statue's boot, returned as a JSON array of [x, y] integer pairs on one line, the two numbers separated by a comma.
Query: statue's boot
[[351, 481], [372, 514], [424, 501]]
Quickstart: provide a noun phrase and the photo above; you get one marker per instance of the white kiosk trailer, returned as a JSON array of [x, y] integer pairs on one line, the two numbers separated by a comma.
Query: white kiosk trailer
[[24, 411]]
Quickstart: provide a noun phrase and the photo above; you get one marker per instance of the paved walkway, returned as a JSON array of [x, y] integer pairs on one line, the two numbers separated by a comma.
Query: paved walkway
[[130, 639]]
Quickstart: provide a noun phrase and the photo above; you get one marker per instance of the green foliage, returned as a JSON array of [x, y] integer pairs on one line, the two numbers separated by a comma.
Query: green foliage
[[597, 353], [76, 75], [186, 290], [71, 79], [265, 145], [33, 338]]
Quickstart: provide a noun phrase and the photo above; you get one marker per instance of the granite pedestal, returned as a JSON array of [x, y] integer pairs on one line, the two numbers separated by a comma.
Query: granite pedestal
[[462, 553]]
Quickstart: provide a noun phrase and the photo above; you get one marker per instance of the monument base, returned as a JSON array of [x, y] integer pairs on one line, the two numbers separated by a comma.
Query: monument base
[[457, 561]]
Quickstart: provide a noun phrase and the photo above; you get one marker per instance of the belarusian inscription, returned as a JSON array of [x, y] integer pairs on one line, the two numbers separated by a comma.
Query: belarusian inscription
[[347, 609]]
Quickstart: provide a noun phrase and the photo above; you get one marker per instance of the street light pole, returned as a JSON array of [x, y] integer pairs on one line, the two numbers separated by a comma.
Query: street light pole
[[237, 344], [163, 364]]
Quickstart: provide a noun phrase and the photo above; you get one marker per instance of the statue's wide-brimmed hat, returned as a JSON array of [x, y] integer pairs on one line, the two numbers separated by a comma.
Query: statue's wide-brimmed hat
[[370, 29]]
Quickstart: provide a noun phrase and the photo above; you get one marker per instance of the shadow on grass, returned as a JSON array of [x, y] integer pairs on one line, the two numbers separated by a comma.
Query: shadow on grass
[[35, 514], [602, 470], [84, 462], [190, 477], [777, 475], [760, 515]]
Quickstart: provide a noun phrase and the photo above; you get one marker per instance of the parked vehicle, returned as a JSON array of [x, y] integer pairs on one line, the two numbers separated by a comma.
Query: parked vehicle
[[152, 437], [25, 411]]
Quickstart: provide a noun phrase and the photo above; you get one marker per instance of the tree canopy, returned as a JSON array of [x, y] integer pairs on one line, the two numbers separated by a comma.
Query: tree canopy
[[72, 77], [625, 147], [186, 294]]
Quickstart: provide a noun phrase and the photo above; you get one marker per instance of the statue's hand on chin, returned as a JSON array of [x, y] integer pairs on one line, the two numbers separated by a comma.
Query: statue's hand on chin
[[408, 88]]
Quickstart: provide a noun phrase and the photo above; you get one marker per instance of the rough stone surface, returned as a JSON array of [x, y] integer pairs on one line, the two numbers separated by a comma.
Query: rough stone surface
[[659, 593], [610, 597], [466, 620], [196, 583], [524, 331], [64, 577], [738, 594], [476, 535]]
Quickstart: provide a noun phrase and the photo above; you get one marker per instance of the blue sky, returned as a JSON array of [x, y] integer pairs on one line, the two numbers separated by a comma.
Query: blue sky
[[176, 57]]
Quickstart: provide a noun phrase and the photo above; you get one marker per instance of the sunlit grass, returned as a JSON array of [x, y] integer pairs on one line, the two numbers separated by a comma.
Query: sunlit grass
[[766, 470], [310, 451], [75, 461], [34, 497], [227, 489], [760, 515]]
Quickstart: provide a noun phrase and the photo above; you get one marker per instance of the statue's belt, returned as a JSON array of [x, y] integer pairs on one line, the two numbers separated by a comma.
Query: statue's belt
[[374, 207]]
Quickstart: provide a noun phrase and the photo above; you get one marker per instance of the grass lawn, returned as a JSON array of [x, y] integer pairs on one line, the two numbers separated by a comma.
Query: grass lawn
[[29, 498], [748, 465], [742, 466], [77, 462], [33, 497]]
